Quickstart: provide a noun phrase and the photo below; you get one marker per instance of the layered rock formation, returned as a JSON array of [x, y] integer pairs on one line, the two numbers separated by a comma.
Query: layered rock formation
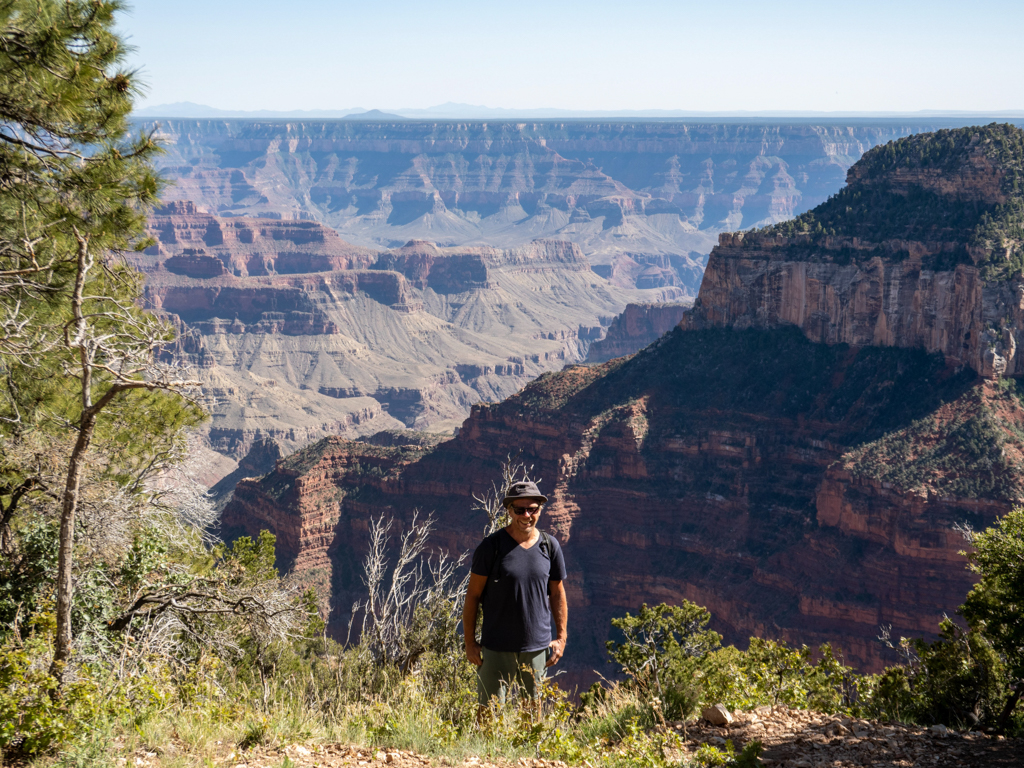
[[940, 267], [749, 471], [800, 490], [637, 326], [645, 200], [298, 334]]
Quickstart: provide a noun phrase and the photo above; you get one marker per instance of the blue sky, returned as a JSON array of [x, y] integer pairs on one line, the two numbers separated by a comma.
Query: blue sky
[[642, 54]]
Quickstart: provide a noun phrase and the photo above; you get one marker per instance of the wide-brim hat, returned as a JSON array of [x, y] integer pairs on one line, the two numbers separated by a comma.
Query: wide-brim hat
[[523, 490]]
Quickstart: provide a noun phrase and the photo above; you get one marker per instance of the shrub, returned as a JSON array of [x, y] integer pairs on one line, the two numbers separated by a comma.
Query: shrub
[[958, 680], [661, 651]]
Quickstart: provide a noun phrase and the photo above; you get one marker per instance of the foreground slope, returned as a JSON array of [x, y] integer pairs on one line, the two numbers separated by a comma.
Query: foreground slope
[[799, 489]]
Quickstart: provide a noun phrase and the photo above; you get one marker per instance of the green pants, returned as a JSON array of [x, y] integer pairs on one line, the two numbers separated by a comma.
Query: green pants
[[501, 668]]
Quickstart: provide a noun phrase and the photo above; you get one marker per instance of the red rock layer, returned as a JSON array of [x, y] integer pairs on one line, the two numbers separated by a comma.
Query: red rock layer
[[188, 237], [889, 299], [703, 468]]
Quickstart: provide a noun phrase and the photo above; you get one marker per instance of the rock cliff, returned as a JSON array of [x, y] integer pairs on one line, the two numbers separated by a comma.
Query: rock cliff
[[922, 248], [637, 326], [644, 200]]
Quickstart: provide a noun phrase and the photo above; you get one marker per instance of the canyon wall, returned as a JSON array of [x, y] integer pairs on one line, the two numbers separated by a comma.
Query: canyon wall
[[645, 200], [298, 334], [758, 282], [637, 326], [749, 471]]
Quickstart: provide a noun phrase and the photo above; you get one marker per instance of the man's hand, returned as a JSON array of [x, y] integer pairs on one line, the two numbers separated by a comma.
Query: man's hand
[[557, 649], [473, 654]]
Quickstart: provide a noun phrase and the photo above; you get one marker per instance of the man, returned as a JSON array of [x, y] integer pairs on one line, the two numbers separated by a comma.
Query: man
[[517, 576]]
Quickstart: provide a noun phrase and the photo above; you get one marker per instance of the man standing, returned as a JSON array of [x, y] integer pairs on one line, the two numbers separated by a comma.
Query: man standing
[[517, 576]]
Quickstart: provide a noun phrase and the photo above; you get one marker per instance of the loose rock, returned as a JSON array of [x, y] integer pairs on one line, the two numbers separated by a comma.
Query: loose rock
[[717, 715]]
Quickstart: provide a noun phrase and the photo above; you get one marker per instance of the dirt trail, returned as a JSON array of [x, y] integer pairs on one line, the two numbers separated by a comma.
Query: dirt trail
[[801, 739]]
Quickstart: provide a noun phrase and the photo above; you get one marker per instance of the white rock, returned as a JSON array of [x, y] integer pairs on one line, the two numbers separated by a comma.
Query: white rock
[[717, 715]]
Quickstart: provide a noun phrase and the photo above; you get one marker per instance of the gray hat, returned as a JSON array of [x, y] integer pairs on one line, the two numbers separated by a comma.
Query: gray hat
[[523, 490]]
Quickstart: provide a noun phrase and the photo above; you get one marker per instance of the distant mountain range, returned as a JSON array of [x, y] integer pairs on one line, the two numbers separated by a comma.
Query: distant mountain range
[[451, 110], [190, 109]]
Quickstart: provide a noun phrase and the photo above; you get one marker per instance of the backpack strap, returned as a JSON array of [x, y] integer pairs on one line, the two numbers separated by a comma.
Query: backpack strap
[[492, 573], [546, 545], [546, 548]]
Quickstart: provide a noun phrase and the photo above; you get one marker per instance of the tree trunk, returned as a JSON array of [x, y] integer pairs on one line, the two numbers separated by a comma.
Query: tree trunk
[[7, 513], [65, 552], [1011, 704]]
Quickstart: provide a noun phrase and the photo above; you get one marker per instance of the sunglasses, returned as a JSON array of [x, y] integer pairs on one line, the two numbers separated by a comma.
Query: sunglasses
[[533, 509]]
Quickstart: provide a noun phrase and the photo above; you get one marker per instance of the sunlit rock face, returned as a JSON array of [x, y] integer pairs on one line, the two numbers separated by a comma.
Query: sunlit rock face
[[917, 250], [298, 334]]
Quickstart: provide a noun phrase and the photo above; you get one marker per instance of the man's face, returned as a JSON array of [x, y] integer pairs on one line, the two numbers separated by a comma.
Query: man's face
[[524, 514]]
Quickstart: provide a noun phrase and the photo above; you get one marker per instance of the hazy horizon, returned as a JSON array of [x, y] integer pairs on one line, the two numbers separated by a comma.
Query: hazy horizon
[[451, 110]]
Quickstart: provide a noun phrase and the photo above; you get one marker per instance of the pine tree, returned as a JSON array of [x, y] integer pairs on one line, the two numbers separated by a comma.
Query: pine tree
[[76, 352]]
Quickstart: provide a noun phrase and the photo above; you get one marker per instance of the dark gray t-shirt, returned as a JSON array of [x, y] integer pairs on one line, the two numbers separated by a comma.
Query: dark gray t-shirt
[[517, 614]]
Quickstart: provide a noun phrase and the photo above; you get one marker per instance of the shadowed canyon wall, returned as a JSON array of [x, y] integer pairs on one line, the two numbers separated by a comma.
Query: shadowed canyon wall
[[744, 470]]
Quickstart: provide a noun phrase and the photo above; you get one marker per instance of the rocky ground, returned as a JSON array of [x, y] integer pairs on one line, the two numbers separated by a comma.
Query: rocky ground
[[791, 739], [801, 739]]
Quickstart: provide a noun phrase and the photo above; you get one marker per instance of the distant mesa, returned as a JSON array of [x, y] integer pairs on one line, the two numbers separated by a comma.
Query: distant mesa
[[644, 200], [374, 114]]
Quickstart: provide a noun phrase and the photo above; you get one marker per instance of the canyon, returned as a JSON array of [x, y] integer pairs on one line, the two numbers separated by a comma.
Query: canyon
[[297, 334], [334, 277], [644, 200], [794, 455]]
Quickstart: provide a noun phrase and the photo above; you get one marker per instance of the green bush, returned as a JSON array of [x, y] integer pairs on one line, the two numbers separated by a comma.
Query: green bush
[[677, 666], [958, 681], [34, 716], [661, 651]]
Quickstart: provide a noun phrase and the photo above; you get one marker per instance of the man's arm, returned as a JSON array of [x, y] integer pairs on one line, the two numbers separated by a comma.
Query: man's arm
[[560, 616], [474, 592]]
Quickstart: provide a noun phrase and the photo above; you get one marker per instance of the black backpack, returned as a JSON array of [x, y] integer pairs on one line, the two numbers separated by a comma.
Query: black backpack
[[546, 547]]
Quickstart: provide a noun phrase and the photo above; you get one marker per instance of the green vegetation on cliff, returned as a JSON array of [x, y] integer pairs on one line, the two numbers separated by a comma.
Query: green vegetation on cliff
[[961, 186], [971, 449]]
